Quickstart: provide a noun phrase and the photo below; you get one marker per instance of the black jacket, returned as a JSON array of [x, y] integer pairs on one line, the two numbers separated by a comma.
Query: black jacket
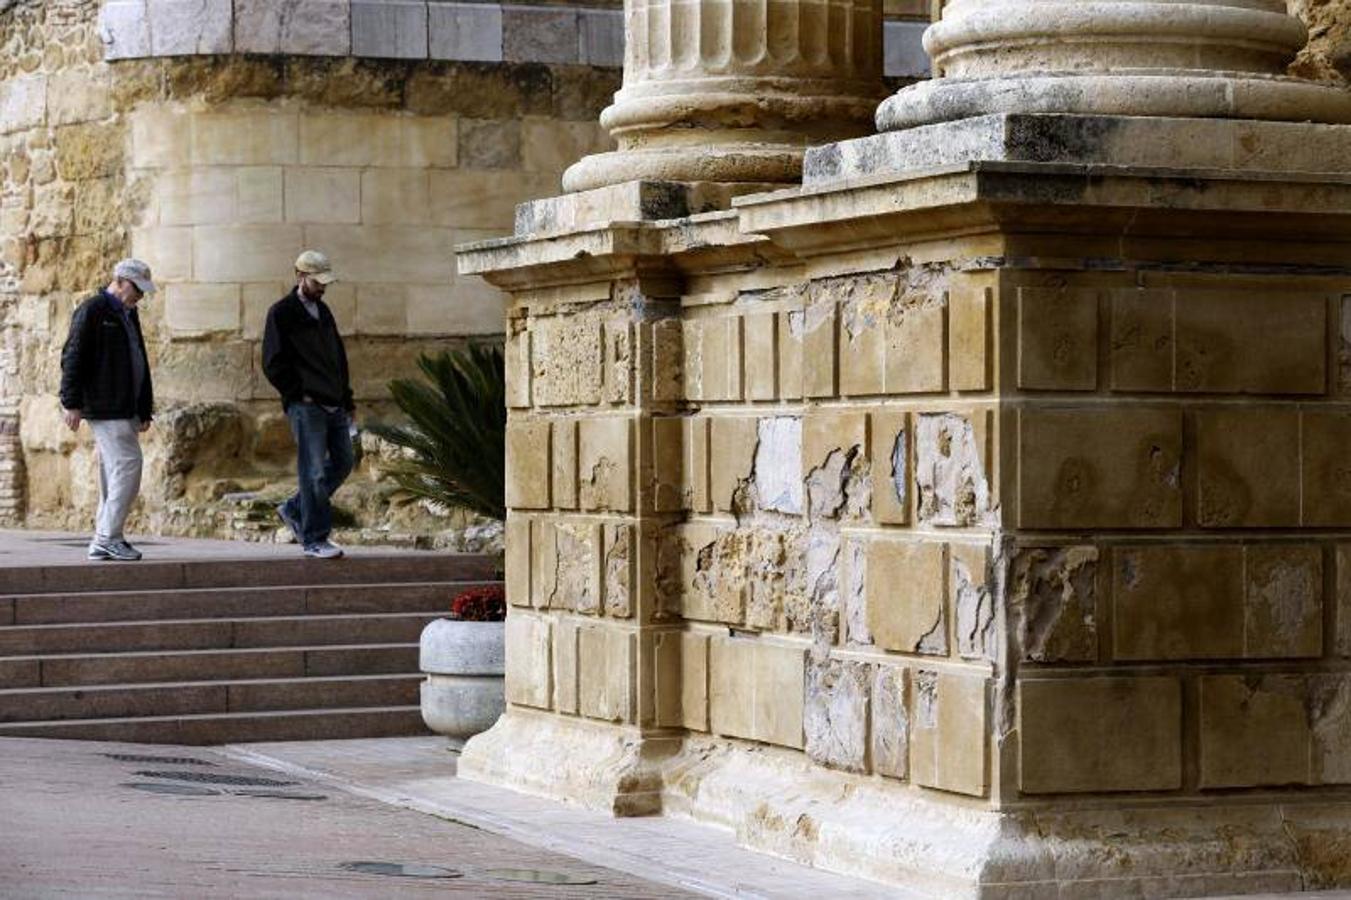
[[303, 356], [97, 374]]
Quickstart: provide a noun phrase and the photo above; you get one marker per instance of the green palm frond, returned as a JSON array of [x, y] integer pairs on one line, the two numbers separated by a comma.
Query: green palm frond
[[456, 431]]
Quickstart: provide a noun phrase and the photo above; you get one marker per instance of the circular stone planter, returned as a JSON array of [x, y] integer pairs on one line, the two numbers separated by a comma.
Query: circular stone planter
[[465, 690]]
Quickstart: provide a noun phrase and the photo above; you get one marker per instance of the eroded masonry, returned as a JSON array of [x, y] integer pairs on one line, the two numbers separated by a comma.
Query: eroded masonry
[[955, 496]]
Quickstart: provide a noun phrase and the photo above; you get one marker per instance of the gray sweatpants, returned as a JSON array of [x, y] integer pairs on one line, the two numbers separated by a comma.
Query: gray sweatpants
[[119, 447]]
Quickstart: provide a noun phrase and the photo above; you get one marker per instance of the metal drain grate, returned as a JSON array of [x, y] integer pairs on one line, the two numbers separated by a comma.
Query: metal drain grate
[[166, 760], [186, 790], [279, 795], [214, 778], [400, 870], [536, 876]]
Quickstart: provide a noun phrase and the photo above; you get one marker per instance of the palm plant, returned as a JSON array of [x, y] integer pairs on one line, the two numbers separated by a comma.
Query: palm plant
[[456, 430]]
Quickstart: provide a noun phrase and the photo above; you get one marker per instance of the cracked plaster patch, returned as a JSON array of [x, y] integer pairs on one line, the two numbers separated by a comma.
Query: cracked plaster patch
[[950, 472]]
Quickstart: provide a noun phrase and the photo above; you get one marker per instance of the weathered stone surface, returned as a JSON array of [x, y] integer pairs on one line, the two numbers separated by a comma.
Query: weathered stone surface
[[605, 660], [529, 660], [465, 31], [890, 454], [1178, 602], [890, 732], [778, 465], [836, 716], [566, 360], [1248, 468], [517, 561], [1099, 734], [528, 464], [390, 30], [320, 27], [1283, 602], [1326, 482], [907, 608], [1083, 468], [1142, 343], [947, 736], [565, 650], [1254, 731], [179, 27], [835, 465], [694, 686], [1232, 341], [539, 34], [617, 569], [969, 339], [1053, 601], [950, 472], [971, 601], [604, 459], [1057, 339], [733, 443]]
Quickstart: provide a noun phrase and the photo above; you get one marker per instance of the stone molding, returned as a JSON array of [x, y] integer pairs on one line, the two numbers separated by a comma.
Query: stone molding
[[406, 29], [1213, 59]]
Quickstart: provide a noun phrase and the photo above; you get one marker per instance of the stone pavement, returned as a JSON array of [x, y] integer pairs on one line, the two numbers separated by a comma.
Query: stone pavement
[[54, 548], [72, 823]]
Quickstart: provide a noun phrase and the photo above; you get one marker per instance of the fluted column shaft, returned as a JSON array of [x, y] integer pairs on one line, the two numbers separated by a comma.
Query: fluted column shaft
[[734, 90], [1186, 58]]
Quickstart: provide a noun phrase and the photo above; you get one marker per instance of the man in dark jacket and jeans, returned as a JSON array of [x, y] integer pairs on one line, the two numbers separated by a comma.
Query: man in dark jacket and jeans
[[304, 358], [105, 380]]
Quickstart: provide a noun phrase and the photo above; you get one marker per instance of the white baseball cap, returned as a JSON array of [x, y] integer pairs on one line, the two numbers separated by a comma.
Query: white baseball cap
[[137, 272], [316, 265]]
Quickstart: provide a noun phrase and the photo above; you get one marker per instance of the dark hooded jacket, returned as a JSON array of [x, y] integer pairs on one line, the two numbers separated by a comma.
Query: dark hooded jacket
[[304, 356], [98, 369]]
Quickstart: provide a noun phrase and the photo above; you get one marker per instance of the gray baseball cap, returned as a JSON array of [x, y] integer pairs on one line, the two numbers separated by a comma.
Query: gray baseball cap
[[137, 272]]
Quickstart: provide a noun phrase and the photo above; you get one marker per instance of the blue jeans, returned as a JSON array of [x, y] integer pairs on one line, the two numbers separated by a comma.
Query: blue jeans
[[324, 460]]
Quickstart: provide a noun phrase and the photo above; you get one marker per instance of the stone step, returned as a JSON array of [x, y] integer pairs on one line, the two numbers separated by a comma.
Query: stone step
[[71, 670], [202, 697], [358, 568], [228, 603], [213, 634], [228, 728]]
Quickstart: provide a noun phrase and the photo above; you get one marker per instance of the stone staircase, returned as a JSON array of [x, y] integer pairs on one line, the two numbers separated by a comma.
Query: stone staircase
[[221, 651]]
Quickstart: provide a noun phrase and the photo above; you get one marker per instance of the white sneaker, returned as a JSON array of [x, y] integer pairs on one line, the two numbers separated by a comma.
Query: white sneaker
[[116, 549], [323, 550]]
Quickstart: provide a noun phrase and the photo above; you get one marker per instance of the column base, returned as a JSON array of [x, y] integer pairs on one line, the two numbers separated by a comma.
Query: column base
[[588, 764], [779, 803], [630, 201]]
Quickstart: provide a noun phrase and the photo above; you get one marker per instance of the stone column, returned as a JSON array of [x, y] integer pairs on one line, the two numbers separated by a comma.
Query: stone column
[[735, 90], [1176, 58]]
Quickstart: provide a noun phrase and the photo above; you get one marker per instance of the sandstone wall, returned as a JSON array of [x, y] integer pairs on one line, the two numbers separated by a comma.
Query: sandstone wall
[[218, 169]]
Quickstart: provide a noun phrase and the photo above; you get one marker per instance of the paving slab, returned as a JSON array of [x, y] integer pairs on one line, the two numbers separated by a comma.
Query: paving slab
[[418, 773], [168, 821]]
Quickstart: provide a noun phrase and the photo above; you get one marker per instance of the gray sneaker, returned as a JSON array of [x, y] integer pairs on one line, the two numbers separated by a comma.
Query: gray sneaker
[[290, 521], [323, 550], [116, 549]]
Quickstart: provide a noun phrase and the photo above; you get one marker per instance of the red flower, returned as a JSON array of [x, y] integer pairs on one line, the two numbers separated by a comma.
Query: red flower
[[480, 604]]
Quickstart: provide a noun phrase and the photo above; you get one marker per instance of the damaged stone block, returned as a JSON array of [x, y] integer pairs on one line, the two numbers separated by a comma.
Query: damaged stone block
[[890, 456], [916, 338], [543, 562], [906, 593], [835, 465], [1255, 731], [890, 722], [718, 358], [617, 569], [1053, 603], [866, 303], [836, 716], [1099, 468], [567, 360], [790, 329], [853, 591], [529, 679], [952, 488], [1283, 601], [619, 361], [528, 464], [713, 580], [1177, 602], [692, 359], [666, 338], [564, 466], [761, 335], [812, 604], [1057, 339], [576, 578], [948, 748], [1099, 734], [770, 557], [1330, 718], [604, 464], [778, 465], [1247, 468], [732, 463], [605, 673], [972, 603]]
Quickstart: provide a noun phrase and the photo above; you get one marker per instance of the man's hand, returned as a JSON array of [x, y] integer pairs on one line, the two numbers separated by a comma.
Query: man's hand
[[72, 418], [145, 426]]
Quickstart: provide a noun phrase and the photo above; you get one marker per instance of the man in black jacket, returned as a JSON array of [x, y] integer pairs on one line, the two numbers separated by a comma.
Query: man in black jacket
[[105, 380], [304, 358]]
